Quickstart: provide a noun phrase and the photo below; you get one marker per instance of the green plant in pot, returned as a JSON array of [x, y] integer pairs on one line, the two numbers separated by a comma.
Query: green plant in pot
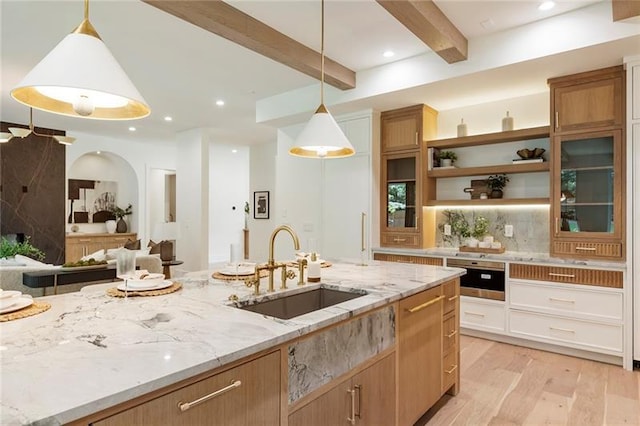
[[447, 158], [120, 213], [9, 249], [496, 184]]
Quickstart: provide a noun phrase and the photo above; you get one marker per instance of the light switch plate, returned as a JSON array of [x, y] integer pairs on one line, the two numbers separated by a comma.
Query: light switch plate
[[447, 229], [508, 230]]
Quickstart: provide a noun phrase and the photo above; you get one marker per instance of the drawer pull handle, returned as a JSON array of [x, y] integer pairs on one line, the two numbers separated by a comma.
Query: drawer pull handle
[[555, 299], [425, 305], [557, 119], [352, 392], [586, 248], [399, 240], [474, 313], [553, 274], [453, 333], [452, 298], [564, 330], [452, 369], [85, 241], [184, 406]]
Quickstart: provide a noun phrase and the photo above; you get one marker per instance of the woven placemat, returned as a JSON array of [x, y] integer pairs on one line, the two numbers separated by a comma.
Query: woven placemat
[[114, 292], [34, 309], [224, 277]]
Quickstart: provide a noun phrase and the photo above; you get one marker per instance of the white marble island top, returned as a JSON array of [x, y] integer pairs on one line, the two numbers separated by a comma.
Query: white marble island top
[[91, 351]]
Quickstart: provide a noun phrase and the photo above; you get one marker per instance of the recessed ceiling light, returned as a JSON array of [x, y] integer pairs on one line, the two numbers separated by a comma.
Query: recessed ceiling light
[[234, 150], [132, 129], [220, 102], [546, 5], [167, 118], [98, 152], [388, 54]]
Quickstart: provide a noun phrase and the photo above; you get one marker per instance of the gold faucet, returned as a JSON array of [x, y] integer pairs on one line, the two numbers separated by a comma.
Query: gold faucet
[[272, 265]]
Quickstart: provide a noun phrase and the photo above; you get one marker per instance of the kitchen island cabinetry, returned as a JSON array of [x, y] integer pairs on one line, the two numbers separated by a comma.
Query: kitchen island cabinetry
[[248, 394]]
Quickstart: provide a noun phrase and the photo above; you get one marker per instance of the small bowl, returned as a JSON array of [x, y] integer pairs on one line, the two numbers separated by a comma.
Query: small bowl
[[525, 153]]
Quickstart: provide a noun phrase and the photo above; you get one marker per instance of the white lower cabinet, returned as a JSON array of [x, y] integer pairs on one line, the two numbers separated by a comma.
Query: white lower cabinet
[[482, 314]]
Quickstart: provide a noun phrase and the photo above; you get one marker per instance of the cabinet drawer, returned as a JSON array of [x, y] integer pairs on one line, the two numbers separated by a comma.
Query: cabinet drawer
[[594, 335], [595, 277], [566, 300], [449, 333], [590, 250], [482, 316], [451, 291], [449, 370], [403, 258], [400, 240]]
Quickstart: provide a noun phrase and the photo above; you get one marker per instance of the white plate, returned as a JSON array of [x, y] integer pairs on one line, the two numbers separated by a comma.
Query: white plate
[[22, 302], [5, 294], [243, 269], [154, 286], [9, 298], [150, 280]]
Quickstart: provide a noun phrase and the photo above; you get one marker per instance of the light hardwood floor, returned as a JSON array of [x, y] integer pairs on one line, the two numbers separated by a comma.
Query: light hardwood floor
[[510, 385]]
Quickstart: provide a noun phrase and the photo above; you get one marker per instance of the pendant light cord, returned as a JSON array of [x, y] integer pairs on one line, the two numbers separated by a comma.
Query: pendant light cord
[[86, 9], [321, 57]]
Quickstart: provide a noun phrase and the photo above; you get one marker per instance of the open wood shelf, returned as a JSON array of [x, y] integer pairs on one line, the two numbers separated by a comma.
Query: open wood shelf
[[489, 170], [488, 202], [491, 138]]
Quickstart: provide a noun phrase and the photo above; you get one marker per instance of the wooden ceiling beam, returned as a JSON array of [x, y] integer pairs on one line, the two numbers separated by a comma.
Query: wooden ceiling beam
[[228, 22], [424, 19], [624, 9]]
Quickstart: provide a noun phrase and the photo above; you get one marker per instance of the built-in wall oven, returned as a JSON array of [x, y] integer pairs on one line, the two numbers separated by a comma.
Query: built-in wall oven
[[483, 278]]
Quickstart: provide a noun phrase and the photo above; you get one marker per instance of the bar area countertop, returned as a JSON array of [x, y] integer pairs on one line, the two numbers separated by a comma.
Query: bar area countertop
[[91, 351]]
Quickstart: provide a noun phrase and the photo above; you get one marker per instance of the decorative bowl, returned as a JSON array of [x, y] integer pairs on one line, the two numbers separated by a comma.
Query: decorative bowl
[[525, 153]]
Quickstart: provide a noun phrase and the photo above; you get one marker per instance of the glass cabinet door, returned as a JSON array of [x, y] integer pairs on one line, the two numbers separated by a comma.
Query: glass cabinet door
[[401, 192], [588, 187]]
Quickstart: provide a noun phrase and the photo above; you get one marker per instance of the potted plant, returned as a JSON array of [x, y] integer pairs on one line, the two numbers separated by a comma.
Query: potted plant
[[447, 158], [120, 213], [496, 184], [480, 227], [9, 249]]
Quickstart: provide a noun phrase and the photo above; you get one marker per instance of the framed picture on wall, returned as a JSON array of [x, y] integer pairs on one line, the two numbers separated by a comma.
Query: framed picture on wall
[[261, 205]]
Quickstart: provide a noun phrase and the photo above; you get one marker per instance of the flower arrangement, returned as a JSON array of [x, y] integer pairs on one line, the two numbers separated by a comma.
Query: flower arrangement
[[119, 213], [12, 248]]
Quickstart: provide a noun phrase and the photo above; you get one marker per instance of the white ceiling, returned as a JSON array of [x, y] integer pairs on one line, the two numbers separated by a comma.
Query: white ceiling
[[182, 70]]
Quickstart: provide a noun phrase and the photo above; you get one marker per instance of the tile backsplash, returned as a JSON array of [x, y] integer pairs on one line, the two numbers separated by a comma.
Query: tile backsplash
[[530, 227]]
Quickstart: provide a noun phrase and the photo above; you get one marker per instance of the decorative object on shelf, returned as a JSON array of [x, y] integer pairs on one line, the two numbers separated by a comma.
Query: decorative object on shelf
[[111, 226], [81, 78], [261, 205], [119, 213], [496, 184], [322, 137], [246, 215], [462, 128], [76, 228], [447, 158], [9, 249], [507, 123], [477, 188], [483, 196], [527, 154]]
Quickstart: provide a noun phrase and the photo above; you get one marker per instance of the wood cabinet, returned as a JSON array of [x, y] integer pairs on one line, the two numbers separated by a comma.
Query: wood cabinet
[[404, 185], [248, 394], [367, 398], [419, 352], [451, 337], [588, 174], [403, 258], [79, 245]]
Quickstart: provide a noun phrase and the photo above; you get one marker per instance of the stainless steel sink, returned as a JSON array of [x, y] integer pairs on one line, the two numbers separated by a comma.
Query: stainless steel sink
[[302, 303]]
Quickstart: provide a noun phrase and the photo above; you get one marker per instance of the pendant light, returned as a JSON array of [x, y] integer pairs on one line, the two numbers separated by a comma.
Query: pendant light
[[322, 137], [21, 132], [81, 78]]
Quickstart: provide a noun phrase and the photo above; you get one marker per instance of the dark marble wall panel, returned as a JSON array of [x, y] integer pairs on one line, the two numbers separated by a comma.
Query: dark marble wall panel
[[32, 196]]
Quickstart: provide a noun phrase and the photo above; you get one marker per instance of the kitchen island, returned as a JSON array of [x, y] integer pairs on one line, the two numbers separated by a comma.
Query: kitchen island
[[90, 351]]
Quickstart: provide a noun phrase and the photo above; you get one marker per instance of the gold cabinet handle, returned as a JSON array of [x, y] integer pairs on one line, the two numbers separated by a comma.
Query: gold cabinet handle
[[417, 143], [452, 333], [184, 406], [556, 225], [553, 274], [452, 369], [555, 299], [425, 305], [352, 419], [363, 220], [557, 119], [358, 388], [564, 330], [399, 240], [86, 240], [452, 298], [586, 248]]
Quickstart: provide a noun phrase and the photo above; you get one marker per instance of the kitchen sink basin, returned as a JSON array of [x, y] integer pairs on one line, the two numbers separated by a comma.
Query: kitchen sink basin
[[294, 305]]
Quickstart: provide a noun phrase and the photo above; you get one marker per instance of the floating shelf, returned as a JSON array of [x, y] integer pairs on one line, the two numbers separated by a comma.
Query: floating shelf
[[489, 170], [491, 138], [488, 202]]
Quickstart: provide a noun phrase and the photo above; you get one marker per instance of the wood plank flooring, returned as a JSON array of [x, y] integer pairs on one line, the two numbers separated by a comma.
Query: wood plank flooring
[[503, 384]]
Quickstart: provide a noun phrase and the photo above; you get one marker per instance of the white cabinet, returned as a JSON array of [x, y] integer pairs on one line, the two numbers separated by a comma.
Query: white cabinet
[[482, 314]]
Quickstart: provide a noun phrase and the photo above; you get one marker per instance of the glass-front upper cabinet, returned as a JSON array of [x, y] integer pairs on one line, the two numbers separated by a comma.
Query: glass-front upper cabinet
[[588, 185]]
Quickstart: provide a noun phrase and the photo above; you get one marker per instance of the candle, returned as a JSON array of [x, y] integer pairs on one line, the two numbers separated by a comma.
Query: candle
[[507, 123], [462, 128]]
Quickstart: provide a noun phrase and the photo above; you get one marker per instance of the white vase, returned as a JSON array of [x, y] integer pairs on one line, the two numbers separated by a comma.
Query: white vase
[[445, 162], [111, 226]]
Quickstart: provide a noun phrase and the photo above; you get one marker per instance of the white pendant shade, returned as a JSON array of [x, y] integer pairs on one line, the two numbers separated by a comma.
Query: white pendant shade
[[81, 78], [5, 136], [322, 138]]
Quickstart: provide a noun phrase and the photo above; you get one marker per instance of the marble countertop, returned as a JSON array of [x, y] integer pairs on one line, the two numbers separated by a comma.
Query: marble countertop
[[507, 256], [91, 351]]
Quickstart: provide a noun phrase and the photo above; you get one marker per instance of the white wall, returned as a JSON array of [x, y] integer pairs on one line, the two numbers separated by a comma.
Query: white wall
[[263, 176], [229, 189]]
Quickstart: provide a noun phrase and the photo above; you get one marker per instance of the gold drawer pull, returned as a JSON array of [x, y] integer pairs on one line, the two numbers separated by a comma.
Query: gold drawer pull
[[586, 248], [564, 330], [452, 298], [84, 241], [553, 274], [399, 240], [184, 406], [474, 313], [453, 333], [555, 299], [452, 369], [425, 305]]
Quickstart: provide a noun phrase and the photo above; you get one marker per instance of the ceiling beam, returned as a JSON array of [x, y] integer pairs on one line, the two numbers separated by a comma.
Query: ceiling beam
[[623, 9], [228, 22], [424, 19]]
